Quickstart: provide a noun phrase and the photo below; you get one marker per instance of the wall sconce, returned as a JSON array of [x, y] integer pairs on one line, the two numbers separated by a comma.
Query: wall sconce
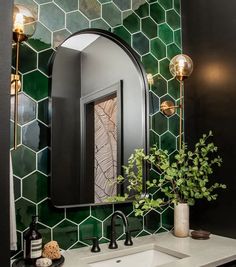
[[181, 67], [24, 25], [150, 79]]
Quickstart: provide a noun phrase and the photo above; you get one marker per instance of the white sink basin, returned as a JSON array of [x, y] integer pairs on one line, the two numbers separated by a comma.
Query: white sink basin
[[148, 258]]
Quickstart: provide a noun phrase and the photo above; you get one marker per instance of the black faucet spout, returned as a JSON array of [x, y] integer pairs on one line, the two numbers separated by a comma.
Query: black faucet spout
[[113, 244]]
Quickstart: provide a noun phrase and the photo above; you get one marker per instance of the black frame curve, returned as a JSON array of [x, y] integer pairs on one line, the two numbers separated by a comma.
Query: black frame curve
[[139, 67]]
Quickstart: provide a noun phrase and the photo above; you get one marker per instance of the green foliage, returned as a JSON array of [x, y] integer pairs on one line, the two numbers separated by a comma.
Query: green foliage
[[182, 180]]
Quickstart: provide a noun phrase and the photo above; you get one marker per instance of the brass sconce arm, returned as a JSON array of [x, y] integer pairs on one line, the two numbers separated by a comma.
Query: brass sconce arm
[[23, 27], [181, 67]]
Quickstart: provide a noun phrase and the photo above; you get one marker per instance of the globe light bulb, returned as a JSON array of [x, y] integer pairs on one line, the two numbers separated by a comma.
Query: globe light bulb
[[181, 66], [24, 23], [150, 79]]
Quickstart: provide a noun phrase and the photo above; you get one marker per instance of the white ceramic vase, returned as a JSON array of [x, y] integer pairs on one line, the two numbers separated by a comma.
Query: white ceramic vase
[[181, 220]]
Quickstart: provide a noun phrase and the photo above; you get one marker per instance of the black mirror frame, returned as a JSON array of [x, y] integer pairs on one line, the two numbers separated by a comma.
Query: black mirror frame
[[139, 67]]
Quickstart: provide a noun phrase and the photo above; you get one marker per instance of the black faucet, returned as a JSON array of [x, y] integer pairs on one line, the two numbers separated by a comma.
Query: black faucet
[[128, 241]]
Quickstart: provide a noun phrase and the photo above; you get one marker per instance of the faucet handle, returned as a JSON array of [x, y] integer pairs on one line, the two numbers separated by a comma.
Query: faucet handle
[[95, 243], [128, 240]]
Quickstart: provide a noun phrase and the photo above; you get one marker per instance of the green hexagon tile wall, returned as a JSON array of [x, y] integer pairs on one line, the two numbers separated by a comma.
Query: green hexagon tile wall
[[152, 28]]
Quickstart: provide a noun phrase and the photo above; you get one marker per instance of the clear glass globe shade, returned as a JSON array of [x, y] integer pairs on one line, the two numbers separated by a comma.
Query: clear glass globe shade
[[181, 66], [24, 21]]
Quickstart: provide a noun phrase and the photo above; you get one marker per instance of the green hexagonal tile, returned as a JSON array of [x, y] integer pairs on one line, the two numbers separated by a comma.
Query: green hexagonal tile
[[111, 14], [142, 10], [131, 22], [26, 109], [78, 245], [90, 227], [100, 24], [90, 8], [36, 85], [157, 13], [172, 50], [167, 4], [46, 233], [150, 64], [35, 135], [153, 103], [173, 88], [76, 21], [152, 221], [174, 124], [161, 230], [159, 86], [173, 19], [177, 37], [28, 58], [168, 218], [123, 34], [23, 161], [168, 142], [12, 134], [101, 212], [143, 233], [107, 228], [41, 39], [154, 175], [24, 212], [66, 234], [78, 215], [43, 158], [44, 61], [159, 123], [177, 6], [158, 48], [59, 37], [166, 33], [126, 208], [35, 187], [48, 214], [43, 1], [43, 111], [67, 5], [135, 223], [52, 16], [17, 187], [154, 138], [159, 194], [123, 4], [140, 43], [149, 27], [164, 69]]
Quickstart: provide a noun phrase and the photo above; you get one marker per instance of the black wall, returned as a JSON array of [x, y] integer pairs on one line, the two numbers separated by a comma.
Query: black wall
[[5, 68], [209, 38]]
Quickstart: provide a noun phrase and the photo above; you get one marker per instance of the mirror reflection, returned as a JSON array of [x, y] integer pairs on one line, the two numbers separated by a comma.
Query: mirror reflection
[[99, 116]]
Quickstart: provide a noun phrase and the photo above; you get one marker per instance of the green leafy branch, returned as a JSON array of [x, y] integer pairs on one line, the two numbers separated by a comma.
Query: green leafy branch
[[182, 180]]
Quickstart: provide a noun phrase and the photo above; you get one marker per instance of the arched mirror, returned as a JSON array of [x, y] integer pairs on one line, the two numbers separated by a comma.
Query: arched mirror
[[99, 116]]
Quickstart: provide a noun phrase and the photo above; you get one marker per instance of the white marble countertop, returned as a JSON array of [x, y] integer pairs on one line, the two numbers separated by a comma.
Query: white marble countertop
[[192, 253]]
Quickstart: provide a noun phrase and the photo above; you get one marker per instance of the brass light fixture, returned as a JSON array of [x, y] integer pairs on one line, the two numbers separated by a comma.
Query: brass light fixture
[[181, 67], [150, 79], [24, 25]]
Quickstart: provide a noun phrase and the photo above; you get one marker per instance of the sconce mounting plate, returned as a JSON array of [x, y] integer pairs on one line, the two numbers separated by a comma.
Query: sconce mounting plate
[[168, 108]]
